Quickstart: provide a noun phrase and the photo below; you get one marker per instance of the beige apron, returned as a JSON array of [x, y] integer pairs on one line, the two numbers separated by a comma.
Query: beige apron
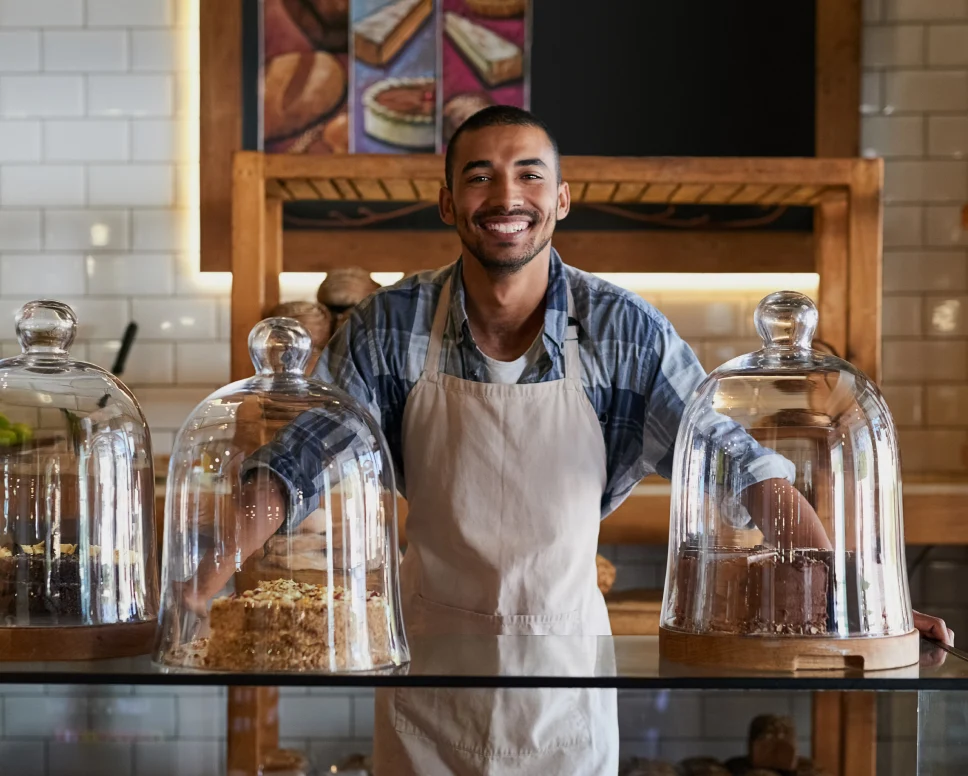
[[504, 485]]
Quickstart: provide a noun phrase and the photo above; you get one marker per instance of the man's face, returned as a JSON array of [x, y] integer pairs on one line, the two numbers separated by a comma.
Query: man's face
[[505, 198]]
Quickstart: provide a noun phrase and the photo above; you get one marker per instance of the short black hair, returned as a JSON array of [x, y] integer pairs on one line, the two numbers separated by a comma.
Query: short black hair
[[497, 116]]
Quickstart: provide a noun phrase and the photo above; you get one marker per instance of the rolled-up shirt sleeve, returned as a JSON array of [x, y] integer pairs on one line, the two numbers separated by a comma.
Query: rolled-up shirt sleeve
[[676, 378], [302, 454]]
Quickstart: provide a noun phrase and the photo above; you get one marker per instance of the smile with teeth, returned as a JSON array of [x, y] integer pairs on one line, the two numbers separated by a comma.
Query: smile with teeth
[[507, 227]]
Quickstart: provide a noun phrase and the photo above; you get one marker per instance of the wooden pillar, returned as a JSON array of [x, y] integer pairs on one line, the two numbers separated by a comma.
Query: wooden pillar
[[838, 45], [845, 733], [865, 220], [253, 728], [830, 231], [273, 264], [248, 255]]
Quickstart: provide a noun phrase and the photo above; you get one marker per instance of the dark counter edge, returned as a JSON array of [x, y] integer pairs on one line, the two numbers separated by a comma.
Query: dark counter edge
[[811, 683]]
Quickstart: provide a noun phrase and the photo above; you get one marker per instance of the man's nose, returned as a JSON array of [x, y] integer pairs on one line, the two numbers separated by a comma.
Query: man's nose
[[504, 192]]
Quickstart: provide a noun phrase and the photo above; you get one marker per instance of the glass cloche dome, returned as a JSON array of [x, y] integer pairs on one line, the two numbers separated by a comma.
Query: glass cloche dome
[[77, 530], [786, 546], [281, 548]]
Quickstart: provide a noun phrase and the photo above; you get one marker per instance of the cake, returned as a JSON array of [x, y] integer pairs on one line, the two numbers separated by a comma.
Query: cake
[[38, 587], [495, 59], [498, 9], [790, 595], [402, 112], [379, 37], [284, 625], [752, 591], [461, 107]]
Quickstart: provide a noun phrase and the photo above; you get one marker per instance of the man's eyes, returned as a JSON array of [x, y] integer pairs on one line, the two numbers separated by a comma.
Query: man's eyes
[[531, 176]]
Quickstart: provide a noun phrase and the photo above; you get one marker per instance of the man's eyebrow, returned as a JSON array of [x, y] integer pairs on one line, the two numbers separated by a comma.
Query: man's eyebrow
[[477, 163], [530, 163]]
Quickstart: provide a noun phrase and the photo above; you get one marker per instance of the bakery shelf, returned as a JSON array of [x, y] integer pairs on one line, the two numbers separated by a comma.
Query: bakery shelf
[[627, 662], [845, 248]]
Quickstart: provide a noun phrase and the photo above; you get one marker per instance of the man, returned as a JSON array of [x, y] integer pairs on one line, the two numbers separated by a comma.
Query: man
[[522, 400]]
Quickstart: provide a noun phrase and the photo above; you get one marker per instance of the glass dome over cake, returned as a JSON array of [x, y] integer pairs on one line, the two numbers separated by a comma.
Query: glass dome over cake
[[77, 529], [786, 519], [281, 548]]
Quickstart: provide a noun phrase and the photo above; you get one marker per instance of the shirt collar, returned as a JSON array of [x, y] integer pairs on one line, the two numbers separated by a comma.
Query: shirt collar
[[556, 307]]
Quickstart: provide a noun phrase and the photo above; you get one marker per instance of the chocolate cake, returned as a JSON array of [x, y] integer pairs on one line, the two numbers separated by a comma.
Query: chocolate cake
[[752, 591], [41, 587]]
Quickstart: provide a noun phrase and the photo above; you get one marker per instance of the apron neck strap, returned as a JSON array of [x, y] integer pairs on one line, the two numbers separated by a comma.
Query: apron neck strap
[[432, 365], [572, 357]]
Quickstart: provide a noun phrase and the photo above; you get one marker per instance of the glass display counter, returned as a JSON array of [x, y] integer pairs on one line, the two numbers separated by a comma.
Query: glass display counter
[[912, 720]]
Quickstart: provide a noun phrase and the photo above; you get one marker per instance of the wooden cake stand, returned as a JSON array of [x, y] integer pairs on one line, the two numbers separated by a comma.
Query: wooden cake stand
[[789, 653], [82, 642]]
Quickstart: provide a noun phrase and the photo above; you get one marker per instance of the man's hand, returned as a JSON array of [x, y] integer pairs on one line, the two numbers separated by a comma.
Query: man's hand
[[258, 513], [935, 628], [785, 517]]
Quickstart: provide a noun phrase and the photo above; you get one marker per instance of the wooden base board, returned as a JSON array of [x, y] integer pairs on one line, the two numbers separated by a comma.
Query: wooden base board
[[84, 642], [789, 653], [634, 612]]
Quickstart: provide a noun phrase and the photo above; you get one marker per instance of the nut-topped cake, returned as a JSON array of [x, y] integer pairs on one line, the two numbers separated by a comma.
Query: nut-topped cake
[[287, 625]]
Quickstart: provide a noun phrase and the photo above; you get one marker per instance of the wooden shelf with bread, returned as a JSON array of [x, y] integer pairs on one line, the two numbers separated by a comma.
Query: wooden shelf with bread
[[844, 249]]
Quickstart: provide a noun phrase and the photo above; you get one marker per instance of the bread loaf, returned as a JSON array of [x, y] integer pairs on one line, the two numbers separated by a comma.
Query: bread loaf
[[606, 574], [301, 90], [325, 23], [773, 743], [346, 287]]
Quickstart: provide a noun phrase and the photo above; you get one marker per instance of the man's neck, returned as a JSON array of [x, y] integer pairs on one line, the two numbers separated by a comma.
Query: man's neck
[[506, 312]]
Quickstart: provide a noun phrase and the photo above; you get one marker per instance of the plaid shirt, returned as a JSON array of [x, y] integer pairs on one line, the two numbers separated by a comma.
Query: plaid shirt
[[637, 372]]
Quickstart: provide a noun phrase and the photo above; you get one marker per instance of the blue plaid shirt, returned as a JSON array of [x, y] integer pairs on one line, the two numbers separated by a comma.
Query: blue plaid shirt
[[637, 372]]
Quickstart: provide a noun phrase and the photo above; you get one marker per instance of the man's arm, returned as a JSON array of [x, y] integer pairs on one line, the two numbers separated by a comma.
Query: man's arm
[[755, 477], [280, 483]]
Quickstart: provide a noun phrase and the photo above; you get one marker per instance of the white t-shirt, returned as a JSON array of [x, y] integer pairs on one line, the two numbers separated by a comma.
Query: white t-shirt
[[509, 372]]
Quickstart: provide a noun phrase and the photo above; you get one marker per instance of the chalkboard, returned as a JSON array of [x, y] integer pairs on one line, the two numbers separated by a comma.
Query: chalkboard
[[676, 78]]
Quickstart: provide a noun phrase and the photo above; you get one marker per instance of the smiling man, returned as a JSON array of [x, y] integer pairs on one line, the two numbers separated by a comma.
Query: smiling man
[[522, 400]]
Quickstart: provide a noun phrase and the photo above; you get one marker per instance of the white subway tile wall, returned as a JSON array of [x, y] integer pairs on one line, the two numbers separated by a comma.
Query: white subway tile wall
[[93, 155], [916, 51]]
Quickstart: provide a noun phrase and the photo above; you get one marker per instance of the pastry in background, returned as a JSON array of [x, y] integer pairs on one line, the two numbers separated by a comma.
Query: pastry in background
[[639, 767], [606, 574], [495, 59], [301, 90], [316, 318], [337, 134], [325, 23], [461, 107], [402, 112], [496, 9], [702, 766], [773, 743], [379, 37], [345, 287]]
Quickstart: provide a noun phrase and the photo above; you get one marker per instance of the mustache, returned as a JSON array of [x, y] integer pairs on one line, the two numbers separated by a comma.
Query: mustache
[[532, 215]]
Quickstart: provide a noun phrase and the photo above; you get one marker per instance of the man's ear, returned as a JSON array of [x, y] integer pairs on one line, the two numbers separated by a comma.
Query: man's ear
[[445, 204], [564, 200]]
